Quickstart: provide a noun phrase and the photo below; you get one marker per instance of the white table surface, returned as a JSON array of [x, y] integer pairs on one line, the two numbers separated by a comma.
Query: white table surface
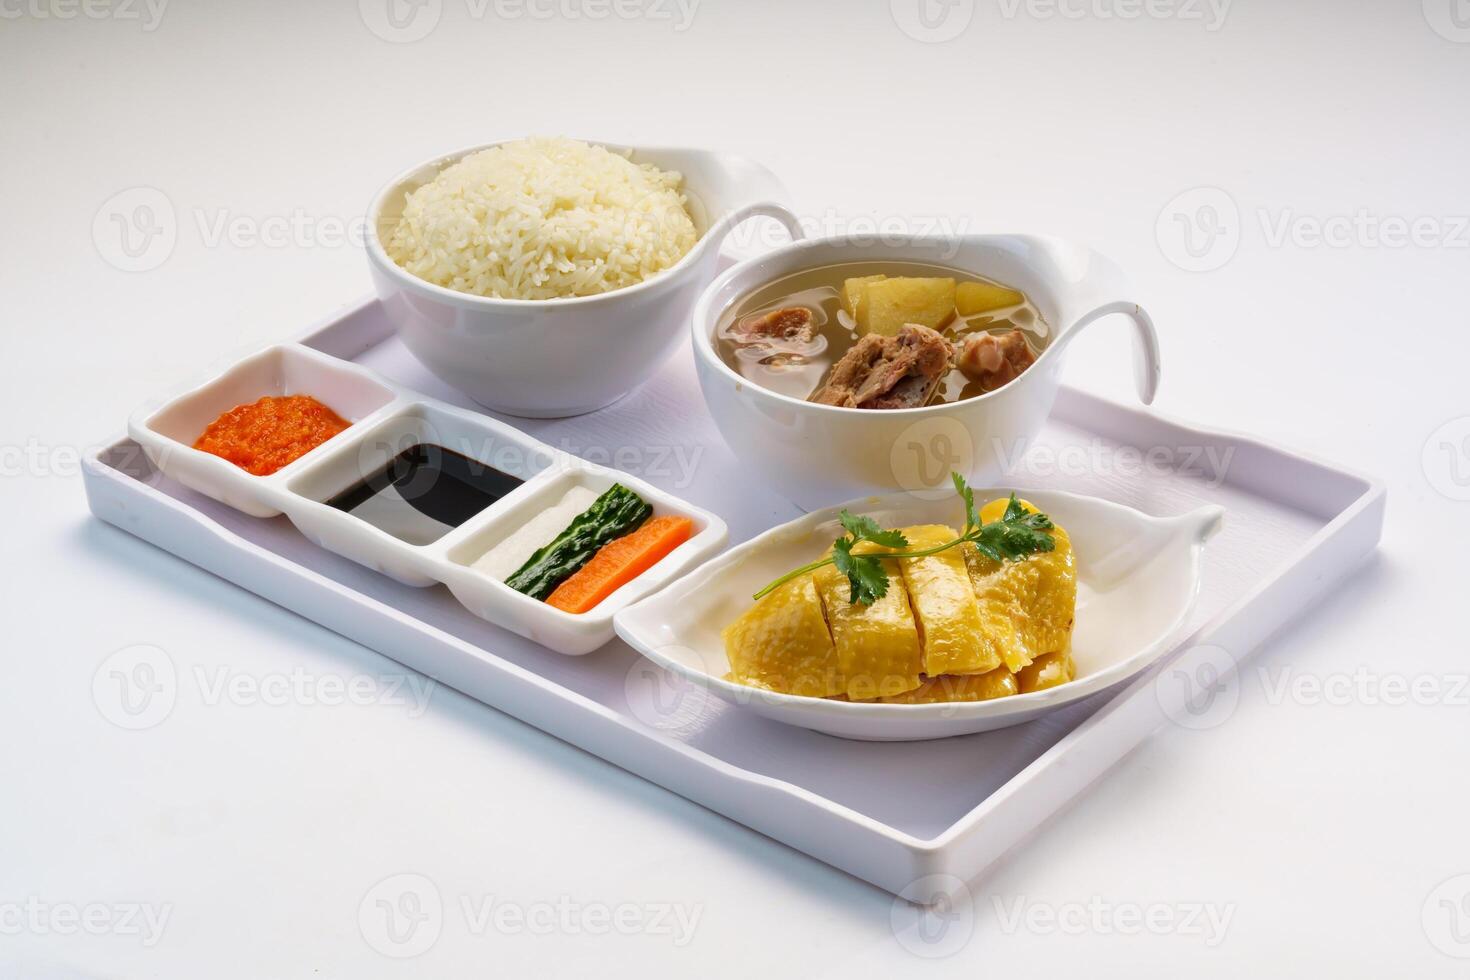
[[1321, 824]]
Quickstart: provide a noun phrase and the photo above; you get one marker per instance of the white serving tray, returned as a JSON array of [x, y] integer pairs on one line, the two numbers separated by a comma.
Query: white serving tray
[[915, 818]]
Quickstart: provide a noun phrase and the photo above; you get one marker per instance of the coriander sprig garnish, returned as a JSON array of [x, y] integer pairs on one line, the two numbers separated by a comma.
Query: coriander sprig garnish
[[1016, 535]]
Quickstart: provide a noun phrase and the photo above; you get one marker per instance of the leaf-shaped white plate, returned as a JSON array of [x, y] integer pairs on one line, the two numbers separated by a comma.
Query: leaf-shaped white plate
[[1138, 577]]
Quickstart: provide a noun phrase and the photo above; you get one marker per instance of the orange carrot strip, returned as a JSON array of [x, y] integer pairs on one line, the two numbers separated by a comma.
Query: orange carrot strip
[[619, 562]]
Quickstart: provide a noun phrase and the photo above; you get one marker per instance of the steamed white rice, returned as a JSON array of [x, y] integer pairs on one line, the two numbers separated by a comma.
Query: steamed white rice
[[542, 219]]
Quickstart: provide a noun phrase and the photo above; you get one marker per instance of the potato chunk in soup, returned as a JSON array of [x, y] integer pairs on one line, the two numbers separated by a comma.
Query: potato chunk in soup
[[982, 297], [888, 304]]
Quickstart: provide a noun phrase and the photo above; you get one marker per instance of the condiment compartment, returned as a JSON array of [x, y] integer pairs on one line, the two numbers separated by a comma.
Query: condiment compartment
[[413, 488], [167, 430], [490, 598], [444, 431]]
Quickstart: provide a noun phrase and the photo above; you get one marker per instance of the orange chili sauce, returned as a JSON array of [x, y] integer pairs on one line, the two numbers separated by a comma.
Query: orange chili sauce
[[261, 437]]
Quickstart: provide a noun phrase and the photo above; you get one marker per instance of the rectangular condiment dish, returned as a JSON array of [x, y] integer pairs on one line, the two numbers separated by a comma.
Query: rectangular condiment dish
[[386, 419]]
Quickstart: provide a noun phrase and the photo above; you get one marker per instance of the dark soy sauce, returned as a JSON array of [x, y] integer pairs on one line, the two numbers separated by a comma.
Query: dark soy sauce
[[425, 492]]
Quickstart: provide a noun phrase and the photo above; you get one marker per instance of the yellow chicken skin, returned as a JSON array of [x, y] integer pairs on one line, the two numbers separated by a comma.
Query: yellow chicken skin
[[1026, 606], [951, 629], [954, 626], [877, 645], [998, 683], [782, 643], [1047, 670]]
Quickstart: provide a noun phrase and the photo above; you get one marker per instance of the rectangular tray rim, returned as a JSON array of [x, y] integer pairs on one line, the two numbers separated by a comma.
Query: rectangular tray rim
[[1370, 496]]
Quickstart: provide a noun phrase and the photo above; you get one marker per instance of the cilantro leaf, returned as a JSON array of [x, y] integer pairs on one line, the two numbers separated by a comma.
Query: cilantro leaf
[[1013, 508], [889, 539], [864, 528], [987, 549], [972, 517], [865, 573], [1013, 538]]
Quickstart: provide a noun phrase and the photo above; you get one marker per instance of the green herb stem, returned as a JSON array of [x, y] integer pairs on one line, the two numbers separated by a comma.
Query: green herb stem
[[805, 569], [1015, 536]]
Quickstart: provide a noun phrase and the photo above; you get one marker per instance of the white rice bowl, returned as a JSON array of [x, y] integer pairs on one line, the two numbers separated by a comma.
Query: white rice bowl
[[543, 219]]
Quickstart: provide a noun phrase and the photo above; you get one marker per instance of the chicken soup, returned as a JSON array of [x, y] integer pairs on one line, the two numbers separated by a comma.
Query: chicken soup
[[882, 335]]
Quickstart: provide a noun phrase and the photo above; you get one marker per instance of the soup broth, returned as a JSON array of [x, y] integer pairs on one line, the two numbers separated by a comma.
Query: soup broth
[[799, 366]]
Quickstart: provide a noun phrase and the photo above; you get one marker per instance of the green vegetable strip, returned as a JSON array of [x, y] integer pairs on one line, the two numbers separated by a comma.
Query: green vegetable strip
[[617, 512]]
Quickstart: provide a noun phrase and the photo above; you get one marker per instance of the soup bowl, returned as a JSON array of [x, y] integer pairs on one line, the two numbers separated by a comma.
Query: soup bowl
[[559, 357], [815, 454]]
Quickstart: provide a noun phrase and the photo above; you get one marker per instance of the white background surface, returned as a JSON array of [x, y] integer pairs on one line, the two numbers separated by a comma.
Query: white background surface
[[1327, 825]]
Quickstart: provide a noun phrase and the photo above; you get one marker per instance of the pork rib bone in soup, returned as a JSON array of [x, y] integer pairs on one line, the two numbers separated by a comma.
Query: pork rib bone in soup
[[889, 372]]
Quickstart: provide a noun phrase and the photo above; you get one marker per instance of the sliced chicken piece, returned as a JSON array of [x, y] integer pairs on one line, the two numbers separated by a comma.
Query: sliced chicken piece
[[888, 372], [792, 323], [995, 359]]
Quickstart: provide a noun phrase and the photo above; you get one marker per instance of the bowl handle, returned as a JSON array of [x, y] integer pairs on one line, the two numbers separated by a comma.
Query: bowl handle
[[1146, 366], [759, 209]]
